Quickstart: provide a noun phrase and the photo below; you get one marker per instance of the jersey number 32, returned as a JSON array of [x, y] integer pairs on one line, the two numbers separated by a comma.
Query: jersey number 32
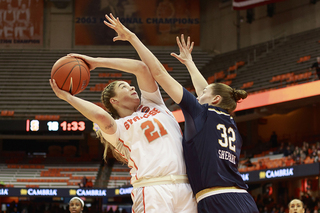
[[228, 137]]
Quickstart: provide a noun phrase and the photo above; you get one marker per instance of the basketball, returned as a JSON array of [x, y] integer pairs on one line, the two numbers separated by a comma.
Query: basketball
[[71, 74]]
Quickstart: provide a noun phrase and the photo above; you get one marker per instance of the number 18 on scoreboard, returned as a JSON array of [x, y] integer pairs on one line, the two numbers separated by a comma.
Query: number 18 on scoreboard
[[55, 126]]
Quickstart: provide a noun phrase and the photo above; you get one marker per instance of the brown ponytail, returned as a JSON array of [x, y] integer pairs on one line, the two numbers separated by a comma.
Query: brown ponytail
[[230, 96]]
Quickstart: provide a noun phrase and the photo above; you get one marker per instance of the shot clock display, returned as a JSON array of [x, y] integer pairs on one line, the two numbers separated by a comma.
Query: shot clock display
[[54, 126]]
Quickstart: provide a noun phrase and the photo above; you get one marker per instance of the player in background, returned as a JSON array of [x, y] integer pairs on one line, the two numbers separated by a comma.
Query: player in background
[[144, 133], [76, 205], [296, 206], [211, 143]]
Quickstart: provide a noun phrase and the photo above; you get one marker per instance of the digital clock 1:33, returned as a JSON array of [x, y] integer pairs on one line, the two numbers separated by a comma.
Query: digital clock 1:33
[[54, 126]]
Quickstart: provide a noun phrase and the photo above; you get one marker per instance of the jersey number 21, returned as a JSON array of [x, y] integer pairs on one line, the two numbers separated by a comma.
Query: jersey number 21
[[149, 129]]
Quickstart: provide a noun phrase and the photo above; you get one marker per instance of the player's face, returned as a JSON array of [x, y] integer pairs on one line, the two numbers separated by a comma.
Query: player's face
[[75, 206], [296, 207], [126, 93], [206, 96]]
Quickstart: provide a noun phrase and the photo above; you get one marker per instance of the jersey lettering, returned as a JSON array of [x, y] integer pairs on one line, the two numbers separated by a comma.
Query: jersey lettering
[[150, 132]]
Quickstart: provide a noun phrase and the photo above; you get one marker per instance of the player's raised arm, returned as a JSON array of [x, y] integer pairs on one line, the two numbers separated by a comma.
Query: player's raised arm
[[91, 111], [136, 67], [198, 81], [159, 73]]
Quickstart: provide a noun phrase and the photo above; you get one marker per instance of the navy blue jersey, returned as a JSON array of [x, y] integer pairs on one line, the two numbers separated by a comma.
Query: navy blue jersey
[[211, 145]]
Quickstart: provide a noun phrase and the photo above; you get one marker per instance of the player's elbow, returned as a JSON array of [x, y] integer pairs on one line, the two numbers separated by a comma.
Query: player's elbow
[[104, 121], [142, 68], [159, 74]]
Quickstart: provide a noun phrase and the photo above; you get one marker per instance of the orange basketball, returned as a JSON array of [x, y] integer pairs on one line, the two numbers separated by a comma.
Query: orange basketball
[[71, 74]]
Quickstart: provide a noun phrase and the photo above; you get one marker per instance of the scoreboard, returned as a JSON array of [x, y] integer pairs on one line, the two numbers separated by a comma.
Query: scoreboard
[[43, 126]]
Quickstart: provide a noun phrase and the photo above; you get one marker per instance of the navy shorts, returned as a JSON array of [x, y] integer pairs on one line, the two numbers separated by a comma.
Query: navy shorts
[[227, 203]]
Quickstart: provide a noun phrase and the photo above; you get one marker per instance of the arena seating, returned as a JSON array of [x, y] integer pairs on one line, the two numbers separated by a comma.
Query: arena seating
[[20, 170], [119, 176], [24, 76], [46, 175], [289, 61]]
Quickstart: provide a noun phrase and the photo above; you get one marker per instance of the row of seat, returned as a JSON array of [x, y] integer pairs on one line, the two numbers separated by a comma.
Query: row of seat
[[19, 175], [277, 61], [266, 163]]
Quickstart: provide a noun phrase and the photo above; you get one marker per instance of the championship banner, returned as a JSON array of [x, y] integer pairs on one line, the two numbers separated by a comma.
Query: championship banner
[[155, 22], [247, 4], [21, 22], [303, 170]]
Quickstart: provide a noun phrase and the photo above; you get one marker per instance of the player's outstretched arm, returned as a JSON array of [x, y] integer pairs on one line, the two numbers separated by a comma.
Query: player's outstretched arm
[[185, 57], [136, 67], [91, 111], [159, 73]]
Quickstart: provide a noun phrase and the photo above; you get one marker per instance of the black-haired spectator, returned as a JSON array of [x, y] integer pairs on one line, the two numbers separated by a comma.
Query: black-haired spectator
[[287, 151], [274, 139], [316, 66]]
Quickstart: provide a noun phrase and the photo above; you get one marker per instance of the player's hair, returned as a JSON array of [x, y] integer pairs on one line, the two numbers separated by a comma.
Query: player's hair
[[108, 93], [79, 199], [230, 96], [107, 146]]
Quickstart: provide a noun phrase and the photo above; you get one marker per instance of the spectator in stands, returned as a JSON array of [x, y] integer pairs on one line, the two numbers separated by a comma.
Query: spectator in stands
[[210, 120], [317, 158], [265, 210], [281, 149], [313, 151], [261, 165], [76, 205], [287, 152], [83, 182], [296, 206], [318, 145], [303, 156], [316, 66], [274, 139], [4, 208], [145, 135], [296, 156], [281, 210], [15, 210], [289, 161]]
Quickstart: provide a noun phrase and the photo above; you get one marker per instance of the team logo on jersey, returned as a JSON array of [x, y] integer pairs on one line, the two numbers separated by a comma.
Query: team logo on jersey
[[145, 109]]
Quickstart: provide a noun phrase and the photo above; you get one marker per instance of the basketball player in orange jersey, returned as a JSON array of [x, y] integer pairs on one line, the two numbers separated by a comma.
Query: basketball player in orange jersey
[[144, 132], [211, 142]]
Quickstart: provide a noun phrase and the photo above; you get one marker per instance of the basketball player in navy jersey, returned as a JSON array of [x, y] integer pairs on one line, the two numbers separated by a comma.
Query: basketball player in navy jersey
[[211, 143]]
